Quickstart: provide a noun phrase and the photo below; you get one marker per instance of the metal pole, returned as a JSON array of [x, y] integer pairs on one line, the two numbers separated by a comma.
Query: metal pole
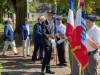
[[27, 9]]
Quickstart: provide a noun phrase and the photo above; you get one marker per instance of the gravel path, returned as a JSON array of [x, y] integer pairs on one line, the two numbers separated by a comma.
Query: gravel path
[[17, 65]]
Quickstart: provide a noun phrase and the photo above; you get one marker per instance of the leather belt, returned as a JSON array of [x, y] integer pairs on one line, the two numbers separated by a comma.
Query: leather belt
[[91, 52]]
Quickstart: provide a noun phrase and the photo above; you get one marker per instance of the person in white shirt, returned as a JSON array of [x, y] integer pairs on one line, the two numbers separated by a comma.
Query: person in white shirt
[[26, 37], [93, 43], [9, 38], [61, 43]]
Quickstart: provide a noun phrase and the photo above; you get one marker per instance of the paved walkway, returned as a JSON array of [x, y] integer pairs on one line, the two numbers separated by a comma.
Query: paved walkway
[[17, 65]]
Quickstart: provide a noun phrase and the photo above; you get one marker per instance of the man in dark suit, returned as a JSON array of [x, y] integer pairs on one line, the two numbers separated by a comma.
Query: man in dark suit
[[47, 29], [9, 38], [37, 34], [26, 37]]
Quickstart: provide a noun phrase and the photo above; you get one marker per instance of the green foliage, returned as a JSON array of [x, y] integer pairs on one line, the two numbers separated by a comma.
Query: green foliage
[[33, 7], [0, 68], [97, 11], [98, 23], [22, 3], [64, 20]]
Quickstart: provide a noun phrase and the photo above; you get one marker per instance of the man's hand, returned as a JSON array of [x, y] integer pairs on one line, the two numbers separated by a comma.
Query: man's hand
[[57, 35], [87, 36], [7, 40], [23, 40], [61, 35], [66, 38], [49, 39]]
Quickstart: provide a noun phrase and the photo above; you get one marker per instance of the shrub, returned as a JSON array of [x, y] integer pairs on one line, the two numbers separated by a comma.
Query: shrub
[[64, 19]]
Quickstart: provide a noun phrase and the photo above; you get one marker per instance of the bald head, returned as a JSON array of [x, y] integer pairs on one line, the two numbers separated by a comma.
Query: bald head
[[42, 19], [9, 21]]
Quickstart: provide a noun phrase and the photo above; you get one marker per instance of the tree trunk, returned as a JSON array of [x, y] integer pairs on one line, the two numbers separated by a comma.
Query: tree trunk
[[1, 13], [21, 14], [20, 7]]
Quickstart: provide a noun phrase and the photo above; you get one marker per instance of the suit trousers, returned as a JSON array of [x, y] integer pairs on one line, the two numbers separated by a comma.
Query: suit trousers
[[47, 57], [13, 45], [36, 47], [73, 64], [61, 53], [91, 69], [26, 46]]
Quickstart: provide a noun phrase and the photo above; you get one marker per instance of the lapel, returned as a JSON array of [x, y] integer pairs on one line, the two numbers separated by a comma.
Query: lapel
[[48, 26], [39, 25], [10, 27], [46, 22], [25, 27]]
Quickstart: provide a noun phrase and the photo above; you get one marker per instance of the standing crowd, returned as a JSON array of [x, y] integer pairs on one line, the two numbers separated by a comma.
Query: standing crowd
[[44, 38]]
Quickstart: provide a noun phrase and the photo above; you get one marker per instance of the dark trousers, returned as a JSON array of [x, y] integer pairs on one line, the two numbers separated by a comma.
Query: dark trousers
[[36, 47], [61, 53], [47, 57]]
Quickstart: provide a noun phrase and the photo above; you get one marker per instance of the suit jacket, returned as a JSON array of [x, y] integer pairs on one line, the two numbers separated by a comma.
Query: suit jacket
[[37, 33], [24, 32], [46, 33], [8, 33]]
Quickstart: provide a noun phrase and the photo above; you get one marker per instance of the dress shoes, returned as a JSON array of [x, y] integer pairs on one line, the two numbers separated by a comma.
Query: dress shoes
[[59, 64], [43, 73], [16, 53], [65, 64], [24, 56], [5, 55], [34, 62], [28, 55], [50, 72], [62, 65]]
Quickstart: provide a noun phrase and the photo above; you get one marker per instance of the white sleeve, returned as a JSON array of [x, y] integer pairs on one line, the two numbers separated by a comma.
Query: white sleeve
[[63, 30], [96, 36]]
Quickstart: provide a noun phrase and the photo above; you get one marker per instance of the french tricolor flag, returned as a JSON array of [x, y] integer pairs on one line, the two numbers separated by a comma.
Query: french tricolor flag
[[70, 22]]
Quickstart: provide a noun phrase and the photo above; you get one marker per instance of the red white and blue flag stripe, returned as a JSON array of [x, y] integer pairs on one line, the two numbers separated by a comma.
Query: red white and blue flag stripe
[[70, 22]]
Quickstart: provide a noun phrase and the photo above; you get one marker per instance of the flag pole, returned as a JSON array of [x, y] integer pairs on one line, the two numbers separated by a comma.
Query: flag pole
[[82, 8], [56, 57], [56, 47], [72, 67], [82, 72]]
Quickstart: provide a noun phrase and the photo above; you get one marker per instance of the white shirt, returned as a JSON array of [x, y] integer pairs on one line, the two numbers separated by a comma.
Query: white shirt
[[94, 34], [61, 28], [49, 22], [11, 27], [28, 29]]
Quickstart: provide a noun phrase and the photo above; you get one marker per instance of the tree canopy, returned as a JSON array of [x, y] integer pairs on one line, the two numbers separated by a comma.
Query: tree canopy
[[20, 8], [90, 5]]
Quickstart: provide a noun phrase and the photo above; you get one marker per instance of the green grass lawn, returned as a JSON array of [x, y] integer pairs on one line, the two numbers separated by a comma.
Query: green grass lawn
[[32, 24], [2, 26]]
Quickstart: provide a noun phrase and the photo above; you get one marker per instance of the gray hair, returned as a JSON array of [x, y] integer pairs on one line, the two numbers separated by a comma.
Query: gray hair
[[9, 19], [42, 17]]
